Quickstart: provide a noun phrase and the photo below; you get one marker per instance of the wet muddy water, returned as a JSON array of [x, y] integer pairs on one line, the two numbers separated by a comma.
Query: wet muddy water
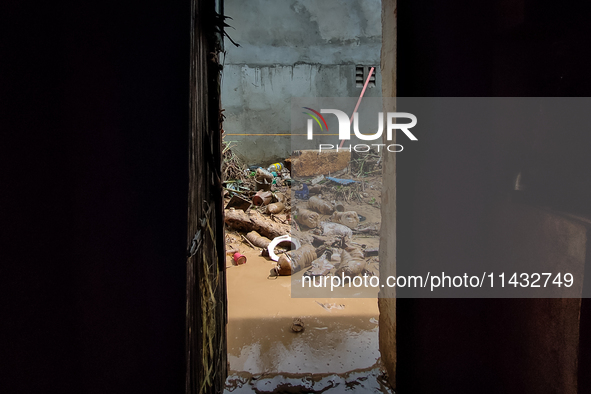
[[356, 382], [336, 352], [338, 338]]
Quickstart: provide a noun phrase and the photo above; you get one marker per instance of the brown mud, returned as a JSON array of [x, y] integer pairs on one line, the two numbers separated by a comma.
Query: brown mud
[[338, 348], [261, 310]]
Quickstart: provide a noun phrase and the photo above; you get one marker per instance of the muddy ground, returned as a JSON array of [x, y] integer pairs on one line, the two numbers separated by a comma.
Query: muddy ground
[[337, 350]]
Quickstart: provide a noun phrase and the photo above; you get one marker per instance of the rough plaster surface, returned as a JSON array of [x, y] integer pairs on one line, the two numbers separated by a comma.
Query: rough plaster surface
[[313, 32], [288, 49], [387, 304]]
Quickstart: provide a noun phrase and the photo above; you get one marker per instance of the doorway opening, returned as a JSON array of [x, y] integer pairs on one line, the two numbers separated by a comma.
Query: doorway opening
[[276, 340]]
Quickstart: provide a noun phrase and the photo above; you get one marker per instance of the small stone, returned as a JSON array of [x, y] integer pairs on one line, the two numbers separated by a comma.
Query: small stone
[[297, 325]]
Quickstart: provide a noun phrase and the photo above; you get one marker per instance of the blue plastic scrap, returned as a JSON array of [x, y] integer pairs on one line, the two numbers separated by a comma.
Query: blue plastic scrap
[[341, 181], [302, 194]]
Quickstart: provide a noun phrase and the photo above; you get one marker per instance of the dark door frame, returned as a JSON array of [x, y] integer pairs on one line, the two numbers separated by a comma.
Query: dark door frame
[[206, 313]]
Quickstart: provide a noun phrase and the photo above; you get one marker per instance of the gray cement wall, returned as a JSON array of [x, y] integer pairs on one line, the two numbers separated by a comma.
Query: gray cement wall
[[292, 48]]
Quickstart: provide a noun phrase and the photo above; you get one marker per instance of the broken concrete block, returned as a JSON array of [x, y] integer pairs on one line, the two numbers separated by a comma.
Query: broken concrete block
[[314, 162]]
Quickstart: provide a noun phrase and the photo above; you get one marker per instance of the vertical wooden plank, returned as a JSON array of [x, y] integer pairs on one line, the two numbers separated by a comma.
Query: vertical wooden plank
[[388, 236], [206, 292]]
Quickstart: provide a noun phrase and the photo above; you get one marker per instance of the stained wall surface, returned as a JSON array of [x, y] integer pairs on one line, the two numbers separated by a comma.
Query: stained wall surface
[[300, 48]]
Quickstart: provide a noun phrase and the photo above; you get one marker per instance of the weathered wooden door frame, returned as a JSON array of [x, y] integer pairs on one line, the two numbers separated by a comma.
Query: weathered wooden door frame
[[206, 313]]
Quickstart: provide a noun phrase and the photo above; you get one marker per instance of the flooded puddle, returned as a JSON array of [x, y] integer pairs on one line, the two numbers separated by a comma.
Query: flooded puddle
[[340, 335]]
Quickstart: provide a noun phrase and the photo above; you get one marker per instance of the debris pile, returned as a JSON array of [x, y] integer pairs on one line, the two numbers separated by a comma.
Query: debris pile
[[328, 222], [257, 207]]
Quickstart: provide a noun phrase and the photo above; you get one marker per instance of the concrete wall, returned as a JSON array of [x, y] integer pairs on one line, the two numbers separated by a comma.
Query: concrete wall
[[292, 48]]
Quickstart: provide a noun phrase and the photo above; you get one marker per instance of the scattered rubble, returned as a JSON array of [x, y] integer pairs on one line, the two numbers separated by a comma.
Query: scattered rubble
[[239, 258], [349, 219], [276, 207], [312, 162], [320, 267], [330, 306], [257, 240], [237, 201], [352, 262], [262, 197], [254, 221], [296, 260], [320, 206], [330, 229], [280, 241], [330, 195], [306, 217]]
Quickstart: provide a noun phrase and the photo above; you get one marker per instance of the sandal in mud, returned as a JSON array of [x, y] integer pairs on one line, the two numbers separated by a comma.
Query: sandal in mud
[[297, 325]]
